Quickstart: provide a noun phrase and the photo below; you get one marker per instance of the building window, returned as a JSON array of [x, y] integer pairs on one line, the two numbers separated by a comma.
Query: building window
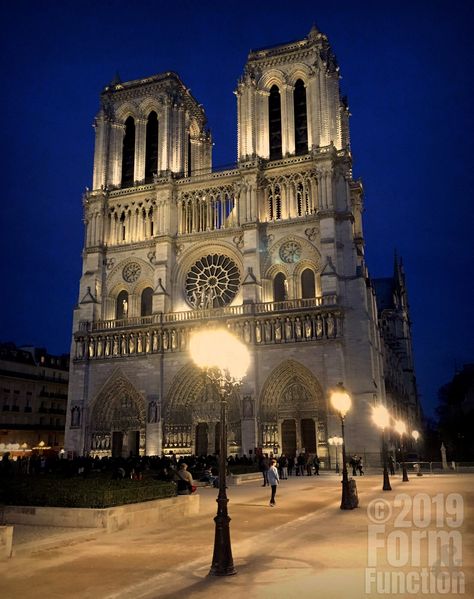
[[274, 117], [301, 119], [188, 174], [151, 154], [308, 285], [121, 309], [280, 288], [128, 153], [147, 302]]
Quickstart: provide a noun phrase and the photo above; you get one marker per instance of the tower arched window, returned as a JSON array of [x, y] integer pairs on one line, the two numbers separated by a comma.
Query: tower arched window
[[274, 118], [128, 153], [277, 202], [308, 284], [151, 152], [280, 288], [301, 119], [146, 308], [189, 157], [121, 306]]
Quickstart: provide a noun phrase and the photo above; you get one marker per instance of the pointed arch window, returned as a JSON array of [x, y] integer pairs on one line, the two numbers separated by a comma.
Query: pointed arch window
[[308, 284], [301, 119], [189, 157], [121, 306], [147, 302], [128, 153], [280, 286], [151, 152], [274, 117]]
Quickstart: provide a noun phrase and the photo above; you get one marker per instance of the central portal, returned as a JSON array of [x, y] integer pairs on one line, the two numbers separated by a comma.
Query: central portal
[[288, 434], [202, 431]]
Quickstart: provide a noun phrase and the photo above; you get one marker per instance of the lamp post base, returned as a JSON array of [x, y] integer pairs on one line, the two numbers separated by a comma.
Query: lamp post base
[[222, 560]]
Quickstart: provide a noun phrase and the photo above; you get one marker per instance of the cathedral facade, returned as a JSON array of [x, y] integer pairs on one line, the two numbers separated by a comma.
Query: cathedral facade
[[272, 249]]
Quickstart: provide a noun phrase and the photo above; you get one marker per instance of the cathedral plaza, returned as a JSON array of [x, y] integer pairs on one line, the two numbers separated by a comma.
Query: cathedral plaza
[[305, 547]]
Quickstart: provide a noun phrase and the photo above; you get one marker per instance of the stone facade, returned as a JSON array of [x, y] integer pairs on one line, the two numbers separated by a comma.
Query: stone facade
[[273, 249]]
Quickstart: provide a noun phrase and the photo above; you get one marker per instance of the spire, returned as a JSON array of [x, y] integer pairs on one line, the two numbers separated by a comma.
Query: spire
[[313, 32], [116, 80]]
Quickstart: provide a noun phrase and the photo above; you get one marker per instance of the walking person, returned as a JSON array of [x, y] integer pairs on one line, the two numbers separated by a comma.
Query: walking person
[[360, 466], [273, 480], [264, 465]]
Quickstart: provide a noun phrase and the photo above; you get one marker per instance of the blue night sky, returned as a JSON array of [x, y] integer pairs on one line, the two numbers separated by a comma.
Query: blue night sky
[[406, 67]]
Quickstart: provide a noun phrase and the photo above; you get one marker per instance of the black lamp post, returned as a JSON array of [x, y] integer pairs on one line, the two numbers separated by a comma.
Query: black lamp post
[[336, 441], [401, 429], [341, 402], [381, 417], [225, 360]]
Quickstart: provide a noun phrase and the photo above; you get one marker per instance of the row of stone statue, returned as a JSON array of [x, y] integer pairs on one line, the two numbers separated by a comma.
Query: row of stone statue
[[177, 436], [275, 330]]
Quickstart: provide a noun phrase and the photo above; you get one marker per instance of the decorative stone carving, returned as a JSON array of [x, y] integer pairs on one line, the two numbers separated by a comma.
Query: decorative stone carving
[[290, 252], [131, 272]]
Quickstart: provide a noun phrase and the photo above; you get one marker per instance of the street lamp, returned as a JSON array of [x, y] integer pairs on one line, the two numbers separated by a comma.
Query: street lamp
[[381, 418], [416, 435], [225, 360], [341, 402], [337, 442], [401, 429]]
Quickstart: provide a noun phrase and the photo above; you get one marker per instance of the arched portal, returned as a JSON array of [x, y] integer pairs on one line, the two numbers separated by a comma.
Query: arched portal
[[192, 413], [117, 420], [292, 412]]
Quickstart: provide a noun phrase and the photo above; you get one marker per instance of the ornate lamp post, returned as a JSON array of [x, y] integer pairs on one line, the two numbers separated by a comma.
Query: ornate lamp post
[[381, 418], [401, 429], [225, 360], [416, 435], [336, 442], [341, 402]]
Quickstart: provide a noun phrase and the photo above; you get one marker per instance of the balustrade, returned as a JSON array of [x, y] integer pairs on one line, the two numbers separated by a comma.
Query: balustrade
[[292, 321]]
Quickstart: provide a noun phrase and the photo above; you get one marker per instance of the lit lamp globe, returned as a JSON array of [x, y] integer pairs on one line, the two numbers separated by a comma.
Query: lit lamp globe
[[415, 435], [381, 419], [225, 359], [217, 348], [341, 400], [401, 429]]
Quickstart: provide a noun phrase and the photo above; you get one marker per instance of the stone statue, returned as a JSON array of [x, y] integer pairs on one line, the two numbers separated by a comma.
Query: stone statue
[[247, 332], [268, 331], [124, 308], [115, 349], [330, 325], [277, 330], [288, 331], [258, 332], [298, 328], [174, 340], [319, 327], [139, 343], [307, 328], [147, 343]]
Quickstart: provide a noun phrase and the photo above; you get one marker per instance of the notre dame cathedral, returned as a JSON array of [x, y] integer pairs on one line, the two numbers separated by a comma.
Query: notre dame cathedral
[[272, 248]]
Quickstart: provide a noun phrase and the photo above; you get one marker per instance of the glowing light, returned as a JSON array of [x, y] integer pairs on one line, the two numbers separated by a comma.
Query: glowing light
[[341, 400], [337, 441], [415, 435], [400, 427], [217, 348], [380, 416]]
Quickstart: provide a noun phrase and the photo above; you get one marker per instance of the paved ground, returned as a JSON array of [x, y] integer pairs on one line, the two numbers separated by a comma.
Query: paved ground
[[305, 547]]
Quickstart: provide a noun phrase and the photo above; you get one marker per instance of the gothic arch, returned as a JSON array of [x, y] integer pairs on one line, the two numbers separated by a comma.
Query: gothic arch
[[270, 78], [125, 110], [277, 399], [118, 406], [300, 71], [192, 400]]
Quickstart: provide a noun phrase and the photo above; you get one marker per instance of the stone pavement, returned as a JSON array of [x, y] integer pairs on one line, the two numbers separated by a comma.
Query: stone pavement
[[305, 547]]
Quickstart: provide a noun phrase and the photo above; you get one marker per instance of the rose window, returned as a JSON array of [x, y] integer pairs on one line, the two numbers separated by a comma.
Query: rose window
[[212, 282], [131, 272], [290, 252]]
